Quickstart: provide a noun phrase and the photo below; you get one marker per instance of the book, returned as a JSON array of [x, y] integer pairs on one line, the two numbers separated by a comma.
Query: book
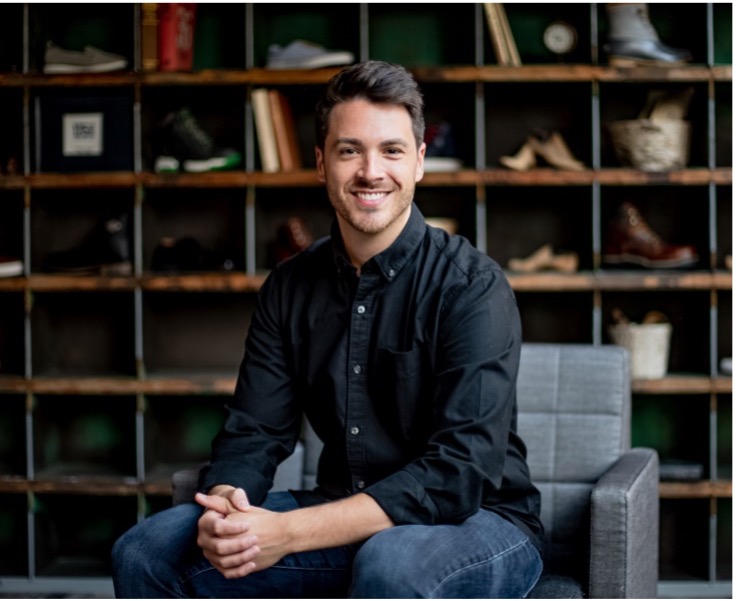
[[265, 133], [176, 23], [504, 46], [513, 51], [149, 36], [496, 31], [287, 144]]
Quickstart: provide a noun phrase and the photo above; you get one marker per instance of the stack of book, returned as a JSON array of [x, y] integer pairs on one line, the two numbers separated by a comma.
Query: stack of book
[[504, 45], [275, 131]]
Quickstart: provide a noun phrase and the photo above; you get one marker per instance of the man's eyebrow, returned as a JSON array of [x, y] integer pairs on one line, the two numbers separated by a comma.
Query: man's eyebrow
[[357, 142]]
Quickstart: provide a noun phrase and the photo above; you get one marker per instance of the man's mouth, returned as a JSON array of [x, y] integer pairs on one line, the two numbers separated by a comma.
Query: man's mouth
[[370, 197]]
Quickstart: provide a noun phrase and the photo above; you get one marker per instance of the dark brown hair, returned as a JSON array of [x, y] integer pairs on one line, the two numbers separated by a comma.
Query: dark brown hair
[[375, 81]]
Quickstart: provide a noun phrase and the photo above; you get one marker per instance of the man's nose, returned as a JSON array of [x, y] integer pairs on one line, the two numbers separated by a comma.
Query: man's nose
[[370, 168]]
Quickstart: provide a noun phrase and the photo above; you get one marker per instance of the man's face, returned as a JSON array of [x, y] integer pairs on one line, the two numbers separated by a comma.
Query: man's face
[[370, 165]]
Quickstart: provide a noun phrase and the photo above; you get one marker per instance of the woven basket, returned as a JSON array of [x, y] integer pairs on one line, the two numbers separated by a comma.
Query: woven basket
[[648, 346], [661, 145]]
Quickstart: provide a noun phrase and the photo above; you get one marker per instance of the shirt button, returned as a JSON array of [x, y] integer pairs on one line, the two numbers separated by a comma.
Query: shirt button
[[361, 309], [391, 273], [360, 485], [357, 369], [355, 430]]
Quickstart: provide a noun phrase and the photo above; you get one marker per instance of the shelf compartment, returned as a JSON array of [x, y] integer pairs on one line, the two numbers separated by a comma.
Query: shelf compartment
[[13, 534], [178, 434], [199, 333], [75, 532], [13, 436], [206, 228], [84, 438], [12, 338], [683, 532], [83, 334], [568, 319]]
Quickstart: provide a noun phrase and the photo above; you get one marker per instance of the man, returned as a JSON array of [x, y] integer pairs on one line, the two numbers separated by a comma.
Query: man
[[401, 345]]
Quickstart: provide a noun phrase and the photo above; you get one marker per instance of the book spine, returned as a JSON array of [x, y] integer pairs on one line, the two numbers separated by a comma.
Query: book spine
[[149, 36], [496, 31], [265, 130], [176, 23]]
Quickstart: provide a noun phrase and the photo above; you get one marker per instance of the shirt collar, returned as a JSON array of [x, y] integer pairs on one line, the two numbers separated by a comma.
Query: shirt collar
[[392, 260]]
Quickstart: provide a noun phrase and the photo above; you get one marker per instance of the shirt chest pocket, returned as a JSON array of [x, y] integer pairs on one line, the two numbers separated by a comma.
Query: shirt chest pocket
[[401, 388]]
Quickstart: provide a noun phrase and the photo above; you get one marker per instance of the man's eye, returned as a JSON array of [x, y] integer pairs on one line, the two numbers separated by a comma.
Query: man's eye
[[394, 151], [348, 151]]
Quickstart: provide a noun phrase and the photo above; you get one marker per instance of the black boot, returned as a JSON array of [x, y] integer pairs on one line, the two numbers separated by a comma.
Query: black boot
[[105, 251]]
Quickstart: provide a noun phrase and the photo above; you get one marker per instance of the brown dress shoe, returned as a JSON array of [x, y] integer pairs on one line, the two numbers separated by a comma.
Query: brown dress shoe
[[631, 240]]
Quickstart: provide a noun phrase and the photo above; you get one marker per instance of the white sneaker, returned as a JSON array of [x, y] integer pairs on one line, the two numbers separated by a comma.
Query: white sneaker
[[10, 267], [91, 60], [301, 54]]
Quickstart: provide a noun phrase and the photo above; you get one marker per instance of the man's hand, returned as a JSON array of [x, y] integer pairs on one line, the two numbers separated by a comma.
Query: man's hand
[[223, 533]]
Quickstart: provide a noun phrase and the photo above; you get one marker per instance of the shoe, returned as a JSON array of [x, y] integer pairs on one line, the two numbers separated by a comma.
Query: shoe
[[105, 251], [184, 144], [631, 240], [553, 149], [544, 259], [632, 39], [301, 54], [186, 254], [292, 237], [550, 147], [523, 160], [91, 60], [440, 154], [10, 267]]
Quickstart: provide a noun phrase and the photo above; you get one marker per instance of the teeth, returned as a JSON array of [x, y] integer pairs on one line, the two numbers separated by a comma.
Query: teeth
[[370, 195]]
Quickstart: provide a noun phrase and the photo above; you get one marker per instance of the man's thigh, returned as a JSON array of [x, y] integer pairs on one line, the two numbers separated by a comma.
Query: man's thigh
[[483, 557]]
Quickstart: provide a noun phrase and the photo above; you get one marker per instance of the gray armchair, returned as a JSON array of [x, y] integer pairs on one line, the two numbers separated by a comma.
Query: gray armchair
[[600, 498]]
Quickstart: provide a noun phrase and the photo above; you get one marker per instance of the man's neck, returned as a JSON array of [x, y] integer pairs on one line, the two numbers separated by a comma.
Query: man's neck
[[361, 247]]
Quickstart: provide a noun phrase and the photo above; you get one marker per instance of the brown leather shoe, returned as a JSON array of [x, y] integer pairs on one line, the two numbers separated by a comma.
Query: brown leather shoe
[[631, 240]]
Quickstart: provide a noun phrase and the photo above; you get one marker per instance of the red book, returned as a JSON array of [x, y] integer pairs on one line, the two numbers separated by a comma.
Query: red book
[[176, 24]]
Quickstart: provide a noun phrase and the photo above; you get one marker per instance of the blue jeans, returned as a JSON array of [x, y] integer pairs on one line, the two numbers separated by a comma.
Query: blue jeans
[[484, 557]]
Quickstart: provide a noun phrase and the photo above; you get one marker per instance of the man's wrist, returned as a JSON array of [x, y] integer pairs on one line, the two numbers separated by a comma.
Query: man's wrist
[[220, 489]]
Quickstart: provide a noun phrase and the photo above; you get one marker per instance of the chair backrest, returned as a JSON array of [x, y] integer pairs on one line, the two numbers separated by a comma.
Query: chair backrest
[[574, 416]]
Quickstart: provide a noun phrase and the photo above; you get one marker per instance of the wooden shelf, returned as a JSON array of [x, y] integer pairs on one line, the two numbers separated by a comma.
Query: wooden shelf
[[441, 74], [703, 489], [308, 178]]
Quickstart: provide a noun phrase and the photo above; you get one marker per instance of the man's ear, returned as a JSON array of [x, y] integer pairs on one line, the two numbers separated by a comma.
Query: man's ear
[[419, 174], [319, 155]]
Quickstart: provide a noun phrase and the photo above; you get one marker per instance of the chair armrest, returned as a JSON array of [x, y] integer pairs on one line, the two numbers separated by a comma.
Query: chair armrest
[[624, 535], [288, 476], [184, 485]]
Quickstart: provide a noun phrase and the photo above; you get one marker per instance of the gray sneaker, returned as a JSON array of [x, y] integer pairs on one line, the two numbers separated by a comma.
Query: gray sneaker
[[91, 60], [301, 54]]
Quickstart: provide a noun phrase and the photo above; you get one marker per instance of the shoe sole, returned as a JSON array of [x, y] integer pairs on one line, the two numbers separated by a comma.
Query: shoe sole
[[648, 263], [213, 164], [10, 270], [124, 268], [317, 62], [56, 69]]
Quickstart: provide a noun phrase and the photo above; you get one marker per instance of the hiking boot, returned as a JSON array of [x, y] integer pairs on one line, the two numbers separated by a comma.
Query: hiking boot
[[91, 60], [185, 144], [632, 39], [632, 241]]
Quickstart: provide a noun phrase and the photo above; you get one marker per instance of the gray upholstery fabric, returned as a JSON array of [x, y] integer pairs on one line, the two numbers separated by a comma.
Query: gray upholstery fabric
[[575, 417], [600, 500]]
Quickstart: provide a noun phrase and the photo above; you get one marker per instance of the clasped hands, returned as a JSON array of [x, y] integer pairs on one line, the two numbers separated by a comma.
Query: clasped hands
[[236, 537]]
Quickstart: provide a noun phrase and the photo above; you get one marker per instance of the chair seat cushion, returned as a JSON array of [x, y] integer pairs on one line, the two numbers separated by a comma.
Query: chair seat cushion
[[556, 586]]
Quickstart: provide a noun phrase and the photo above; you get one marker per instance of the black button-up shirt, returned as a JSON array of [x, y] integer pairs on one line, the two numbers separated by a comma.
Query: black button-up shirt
[[406, 373]]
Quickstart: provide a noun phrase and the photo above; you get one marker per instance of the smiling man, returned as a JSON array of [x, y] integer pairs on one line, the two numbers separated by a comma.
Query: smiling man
[[401, 345]]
